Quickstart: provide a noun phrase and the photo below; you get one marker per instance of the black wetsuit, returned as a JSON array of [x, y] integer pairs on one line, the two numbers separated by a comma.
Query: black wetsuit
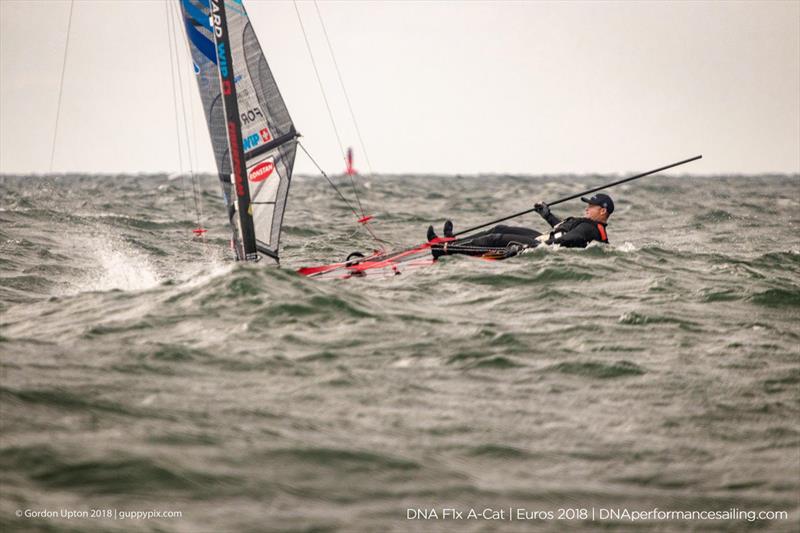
[[572, 232]]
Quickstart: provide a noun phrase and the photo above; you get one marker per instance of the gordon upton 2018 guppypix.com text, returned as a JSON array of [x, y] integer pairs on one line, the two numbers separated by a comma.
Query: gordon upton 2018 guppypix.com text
[[99, 514]]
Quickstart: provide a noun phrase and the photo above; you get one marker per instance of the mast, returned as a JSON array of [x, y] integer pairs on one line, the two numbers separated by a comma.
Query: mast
[[233, 128]]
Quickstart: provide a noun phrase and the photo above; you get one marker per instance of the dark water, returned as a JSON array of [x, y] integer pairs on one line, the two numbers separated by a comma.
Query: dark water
[[143, 371]]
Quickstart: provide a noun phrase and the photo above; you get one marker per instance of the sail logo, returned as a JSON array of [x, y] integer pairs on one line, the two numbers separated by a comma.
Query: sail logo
[[261, 171], [254, 139], [236, 160], [251, 141], [223, 61], [215, 18]]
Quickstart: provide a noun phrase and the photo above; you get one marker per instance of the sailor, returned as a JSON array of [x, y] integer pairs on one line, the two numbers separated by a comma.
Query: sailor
[[572, 232]]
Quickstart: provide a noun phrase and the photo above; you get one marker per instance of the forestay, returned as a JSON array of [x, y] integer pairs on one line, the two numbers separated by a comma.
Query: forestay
[[253, 137]]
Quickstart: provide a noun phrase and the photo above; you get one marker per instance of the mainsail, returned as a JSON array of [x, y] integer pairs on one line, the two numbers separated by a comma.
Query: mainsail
[[253, 137]]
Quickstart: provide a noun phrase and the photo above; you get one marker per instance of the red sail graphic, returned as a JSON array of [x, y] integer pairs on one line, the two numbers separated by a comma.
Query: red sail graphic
[[261, 171]]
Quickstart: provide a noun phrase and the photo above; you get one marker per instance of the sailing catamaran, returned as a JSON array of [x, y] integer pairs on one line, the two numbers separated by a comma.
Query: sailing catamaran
[[255, 140], [255, 143]]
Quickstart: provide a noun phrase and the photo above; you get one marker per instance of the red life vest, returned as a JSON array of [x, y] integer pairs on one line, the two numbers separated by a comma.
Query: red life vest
[[602, 229]]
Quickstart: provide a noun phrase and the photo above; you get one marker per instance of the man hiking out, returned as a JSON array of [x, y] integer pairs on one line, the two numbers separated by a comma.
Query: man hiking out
[[572, 232]]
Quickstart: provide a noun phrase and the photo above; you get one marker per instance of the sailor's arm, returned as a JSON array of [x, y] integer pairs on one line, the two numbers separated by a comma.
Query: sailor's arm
[[544, 211]]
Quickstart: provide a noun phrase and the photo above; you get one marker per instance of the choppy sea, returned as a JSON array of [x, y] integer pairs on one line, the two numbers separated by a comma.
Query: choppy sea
[[144, 371]]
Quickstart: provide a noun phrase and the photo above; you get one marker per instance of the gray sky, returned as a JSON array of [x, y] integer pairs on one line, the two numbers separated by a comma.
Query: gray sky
[[444, 87]]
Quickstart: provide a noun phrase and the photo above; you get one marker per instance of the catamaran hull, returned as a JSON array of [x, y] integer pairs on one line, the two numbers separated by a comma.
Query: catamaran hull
[[376, 265], [392, 263]]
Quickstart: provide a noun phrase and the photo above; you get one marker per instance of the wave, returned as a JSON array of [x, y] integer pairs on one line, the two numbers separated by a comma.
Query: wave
[[122, 474], [498, 451], [473, 359], [542, 276], [633, 318], [339, 459], [713, 216], [61, 399], [778, 298], [598, 369]]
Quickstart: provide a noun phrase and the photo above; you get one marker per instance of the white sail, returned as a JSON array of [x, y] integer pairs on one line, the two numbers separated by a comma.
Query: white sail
[[251, 131]]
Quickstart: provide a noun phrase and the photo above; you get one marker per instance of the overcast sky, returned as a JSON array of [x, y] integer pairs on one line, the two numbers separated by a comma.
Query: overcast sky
[[443, 87]]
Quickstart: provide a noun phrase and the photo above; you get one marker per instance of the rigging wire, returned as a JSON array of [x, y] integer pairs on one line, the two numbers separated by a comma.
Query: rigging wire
[[335, 188], [178, 15], [185, 114], [61, 86], [172, 54], [344, 90], [364, 220], [193, 154], [195, 193], [327, 104]]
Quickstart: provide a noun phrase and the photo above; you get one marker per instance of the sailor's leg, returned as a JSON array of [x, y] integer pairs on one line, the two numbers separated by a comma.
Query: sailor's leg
[[499, 236], [516, 230], [483, 243], [501, 240], [473, 245]]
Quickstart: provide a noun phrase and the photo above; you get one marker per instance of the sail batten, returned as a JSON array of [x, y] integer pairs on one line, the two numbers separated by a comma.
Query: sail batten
[[253, 136]]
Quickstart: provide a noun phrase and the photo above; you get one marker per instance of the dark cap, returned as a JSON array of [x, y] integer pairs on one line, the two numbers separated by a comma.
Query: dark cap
[[603, 200]]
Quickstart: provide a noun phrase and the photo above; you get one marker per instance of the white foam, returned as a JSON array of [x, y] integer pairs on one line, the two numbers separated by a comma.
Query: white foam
[[122, 267], [115, 265], [627, 247]]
